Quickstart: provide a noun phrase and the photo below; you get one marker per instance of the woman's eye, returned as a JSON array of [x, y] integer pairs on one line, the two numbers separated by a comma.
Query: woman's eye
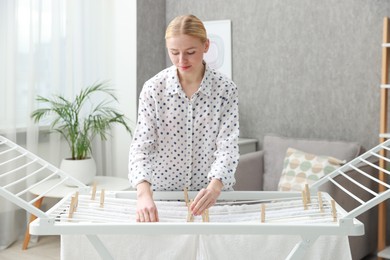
[[191, 52], [174, 53]]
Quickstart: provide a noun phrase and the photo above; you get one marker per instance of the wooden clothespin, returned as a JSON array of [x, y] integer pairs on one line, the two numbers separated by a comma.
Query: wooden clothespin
[[307, 192], [262, 213], [304, 200], [102, 198], [320, 204], [76, 198], [93, 190], [334, 211], [186, 196], [190, 216], [71, 207], [205, 216]]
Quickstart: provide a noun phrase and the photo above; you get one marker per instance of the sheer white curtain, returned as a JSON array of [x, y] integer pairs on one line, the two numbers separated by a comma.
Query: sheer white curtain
[[49, 47]]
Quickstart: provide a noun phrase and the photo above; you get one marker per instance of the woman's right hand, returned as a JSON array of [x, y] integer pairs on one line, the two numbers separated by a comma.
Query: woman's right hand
[[146, 208]]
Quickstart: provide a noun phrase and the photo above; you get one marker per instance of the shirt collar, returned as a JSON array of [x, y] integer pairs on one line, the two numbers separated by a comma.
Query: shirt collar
[[173, 86], [205, 85], [173, 83]]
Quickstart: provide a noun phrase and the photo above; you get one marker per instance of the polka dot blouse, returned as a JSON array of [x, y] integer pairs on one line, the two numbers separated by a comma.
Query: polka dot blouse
[[180, 142]]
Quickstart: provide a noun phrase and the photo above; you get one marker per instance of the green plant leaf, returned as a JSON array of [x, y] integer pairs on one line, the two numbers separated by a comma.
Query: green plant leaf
[[78, 127]]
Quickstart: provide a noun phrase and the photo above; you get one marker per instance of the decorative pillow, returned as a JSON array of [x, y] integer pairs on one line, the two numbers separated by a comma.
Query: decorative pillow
[[275, 147], [301, 168]]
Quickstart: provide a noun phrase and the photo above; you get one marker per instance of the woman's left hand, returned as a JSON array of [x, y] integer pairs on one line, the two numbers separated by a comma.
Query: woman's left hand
[[206, 197]]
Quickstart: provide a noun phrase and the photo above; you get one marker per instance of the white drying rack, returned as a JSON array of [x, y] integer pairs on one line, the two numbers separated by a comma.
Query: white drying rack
[[21, 168], [21, 171]]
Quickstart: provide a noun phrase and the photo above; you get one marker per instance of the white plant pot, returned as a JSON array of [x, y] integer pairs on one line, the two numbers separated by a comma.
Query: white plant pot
[[82, 170]]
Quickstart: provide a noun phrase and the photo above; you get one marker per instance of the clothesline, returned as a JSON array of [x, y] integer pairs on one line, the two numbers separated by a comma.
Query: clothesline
[[123, 211]]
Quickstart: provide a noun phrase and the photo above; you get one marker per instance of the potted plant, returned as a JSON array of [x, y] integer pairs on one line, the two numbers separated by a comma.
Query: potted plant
[[79, 121]]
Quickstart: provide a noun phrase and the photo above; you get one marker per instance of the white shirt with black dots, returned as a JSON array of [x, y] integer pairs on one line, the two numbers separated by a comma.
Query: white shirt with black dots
[[180, 142]]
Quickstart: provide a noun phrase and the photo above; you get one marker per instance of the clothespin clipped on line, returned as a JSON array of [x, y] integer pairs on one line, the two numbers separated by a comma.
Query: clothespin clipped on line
[[186, 196], [190, 216], [262, 213], [334, 211], [94, 185], [307, 192], [306, 196], [205, 216], [73, 204], [102, 198], [320, 204], [304, 200]]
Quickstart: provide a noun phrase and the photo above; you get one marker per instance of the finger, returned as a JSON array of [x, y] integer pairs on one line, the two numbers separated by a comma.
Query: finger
[[207, 204], [146, 216], [137, 217], [200, 206], [141, 217], [198, 197], [153, 216]]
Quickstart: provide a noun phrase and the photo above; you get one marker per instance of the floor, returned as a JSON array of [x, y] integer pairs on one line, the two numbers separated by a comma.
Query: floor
[[47, 248]]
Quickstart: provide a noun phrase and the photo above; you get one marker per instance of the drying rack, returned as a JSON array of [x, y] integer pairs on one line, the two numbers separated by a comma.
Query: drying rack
[[20, 168]]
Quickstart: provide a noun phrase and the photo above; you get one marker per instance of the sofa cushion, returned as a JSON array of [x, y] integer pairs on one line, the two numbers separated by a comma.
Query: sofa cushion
[[275, 148], [302, 168]]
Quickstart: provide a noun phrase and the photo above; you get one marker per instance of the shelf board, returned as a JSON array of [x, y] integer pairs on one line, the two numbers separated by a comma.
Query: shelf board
[[385, 44], [385, 85], [385, 253]]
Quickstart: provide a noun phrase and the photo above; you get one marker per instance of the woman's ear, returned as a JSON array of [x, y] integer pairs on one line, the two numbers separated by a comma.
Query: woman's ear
[[206, 45]]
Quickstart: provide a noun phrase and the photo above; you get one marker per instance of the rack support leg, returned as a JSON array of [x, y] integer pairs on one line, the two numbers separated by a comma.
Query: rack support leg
[[100, 247], [37, 204], [299, 251]]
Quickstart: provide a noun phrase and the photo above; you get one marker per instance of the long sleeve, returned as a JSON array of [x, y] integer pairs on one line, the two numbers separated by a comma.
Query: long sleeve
[[142, 148], [227, 154]]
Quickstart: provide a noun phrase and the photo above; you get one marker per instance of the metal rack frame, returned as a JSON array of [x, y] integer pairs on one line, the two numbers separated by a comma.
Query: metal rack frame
[[17, 164]]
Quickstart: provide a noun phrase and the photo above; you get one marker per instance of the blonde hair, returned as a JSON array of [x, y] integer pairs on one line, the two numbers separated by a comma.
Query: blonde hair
[[188, 25]]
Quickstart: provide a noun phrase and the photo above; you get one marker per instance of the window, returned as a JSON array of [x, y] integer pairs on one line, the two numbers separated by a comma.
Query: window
[[34, 47], [50, 47]]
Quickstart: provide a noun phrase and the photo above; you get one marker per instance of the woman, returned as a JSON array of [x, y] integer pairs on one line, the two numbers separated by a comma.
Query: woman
[[187, 130]]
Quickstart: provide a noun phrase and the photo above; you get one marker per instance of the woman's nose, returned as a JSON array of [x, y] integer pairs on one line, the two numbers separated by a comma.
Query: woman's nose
[[182, 57]]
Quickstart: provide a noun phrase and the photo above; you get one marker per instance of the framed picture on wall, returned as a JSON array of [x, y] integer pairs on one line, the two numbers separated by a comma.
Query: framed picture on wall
[[219, 55]]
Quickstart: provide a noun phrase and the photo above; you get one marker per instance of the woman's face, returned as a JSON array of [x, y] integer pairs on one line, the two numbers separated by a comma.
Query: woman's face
[[186, 53]]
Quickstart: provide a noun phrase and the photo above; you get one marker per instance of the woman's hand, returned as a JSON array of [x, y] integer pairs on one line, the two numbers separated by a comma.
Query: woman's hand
[[206, 197], [146, 208]]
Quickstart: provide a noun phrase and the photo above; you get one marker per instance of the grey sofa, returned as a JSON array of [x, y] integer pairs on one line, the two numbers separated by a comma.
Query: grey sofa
[[261, 171]]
